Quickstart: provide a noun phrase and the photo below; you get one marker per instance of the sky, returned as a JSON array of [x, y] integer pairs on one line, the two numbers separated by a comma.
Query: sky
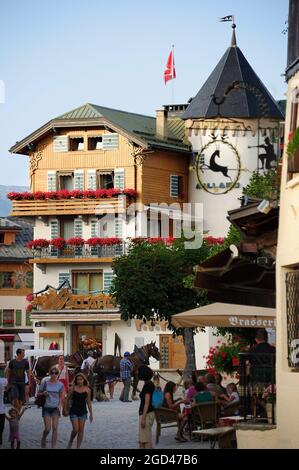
[[56, 55]]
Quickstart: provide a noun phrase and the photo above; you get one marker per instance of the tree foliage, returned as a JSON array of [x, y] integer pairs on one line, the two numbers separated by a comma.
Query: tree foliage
[[263, 185]]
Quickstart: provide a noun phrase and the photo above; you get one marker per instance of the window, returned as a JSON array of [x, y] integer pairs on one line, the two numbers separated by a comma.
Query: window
[[106, 179], [76, 144], [63, 277], [87, 282], [67, 228], [95, 143], [176, 185], [7, 280], [1, 238], [66, 180], [8, 317], [51, 341], [292, 300]]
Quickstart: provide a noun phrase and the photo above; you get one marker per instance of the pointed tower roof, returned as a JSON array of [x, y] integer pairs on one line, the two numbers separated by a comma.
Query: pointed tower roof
[[240, 103]]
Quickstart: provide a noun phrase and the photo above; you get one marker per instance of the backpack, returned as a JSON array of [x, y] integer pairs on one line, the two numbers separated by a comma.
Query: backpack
[[157, 398]]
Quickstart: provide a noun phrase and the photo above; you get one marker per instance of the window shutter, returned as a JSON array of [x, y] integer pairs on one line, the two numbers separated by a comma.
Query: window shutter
[[79, 179], [0, 317], [54, 226], [28, 319], [119, 178], [18, 317], [119, 227], [64, 277], [61, 143], [92, 179], [110, 141], [78, 228], [108, 277], [52, 181], [94, 231], [174, 186]]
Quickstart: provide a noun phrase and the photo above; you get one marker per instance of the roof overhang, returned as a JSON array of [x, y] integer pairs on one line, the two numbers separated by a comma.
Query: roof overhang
[[226, 315], [21, 147]]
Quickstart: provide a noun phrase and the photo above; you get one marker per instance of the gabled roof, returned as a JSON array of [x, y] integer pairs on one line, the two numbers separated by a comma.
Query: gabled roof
[[139, 128], [17, 251], [240, 103]]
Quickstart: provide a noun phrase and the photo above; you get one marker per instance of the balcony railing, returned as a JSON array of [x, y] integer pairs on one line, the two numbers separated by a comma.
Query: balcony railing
[[68, 206], [77, 252]]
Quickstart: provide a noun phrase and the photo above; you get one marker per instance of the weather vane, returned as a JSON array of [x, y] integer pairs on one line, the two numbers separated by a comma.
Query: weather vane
[[229, 18]]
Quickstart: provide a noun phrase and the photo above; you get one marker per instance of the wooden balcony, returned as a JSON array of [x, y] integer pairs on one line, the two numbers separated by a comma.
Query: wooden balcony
[[77, 254], [68, 206]]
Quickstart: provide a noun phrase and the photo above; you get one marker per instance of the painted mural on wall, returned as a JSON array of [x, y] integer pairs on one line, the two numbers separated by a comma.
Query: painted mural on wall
[[218, 166]]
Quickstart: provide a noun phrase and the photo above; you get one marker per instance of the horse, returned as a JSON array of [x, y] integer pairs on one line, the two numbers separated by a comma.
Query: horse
[[111, 365]]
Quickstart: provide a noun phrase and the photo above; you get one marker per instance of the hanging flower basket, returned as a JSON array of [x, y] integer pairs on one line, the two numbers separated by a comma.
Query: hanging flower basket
[[224, 357]]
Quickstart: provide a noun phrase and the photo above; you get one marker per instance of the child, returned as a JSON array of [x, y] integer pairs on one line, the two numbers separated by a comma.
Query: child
[[189, 391], [13, 419]]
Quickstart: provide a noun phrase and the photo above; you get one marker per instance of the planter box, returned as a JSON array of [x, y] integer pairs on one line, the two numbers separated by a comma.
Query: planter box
[[293, 163]]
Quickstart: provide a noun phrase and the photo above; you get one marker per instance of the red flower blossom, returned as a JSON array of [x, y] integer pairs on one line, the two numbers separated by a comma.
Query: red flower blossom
[[39, 195], [38, 243], [29, 297], [58, 242], [75, 241]]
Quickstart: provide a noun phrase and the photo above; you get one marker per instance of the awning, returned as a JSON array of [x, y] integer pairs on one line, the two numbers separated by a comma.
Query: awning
[[228, 315], [26, 337], [7, 338]]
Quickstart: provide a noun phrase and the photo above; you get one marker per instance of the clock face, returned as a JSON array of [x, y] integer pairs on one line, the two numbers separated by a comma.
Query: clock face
[[218, 167]]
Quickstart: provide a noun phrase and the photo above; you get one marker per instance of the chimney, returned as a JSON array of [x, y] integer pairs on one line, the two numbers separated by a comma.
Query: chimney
[[161, 123]]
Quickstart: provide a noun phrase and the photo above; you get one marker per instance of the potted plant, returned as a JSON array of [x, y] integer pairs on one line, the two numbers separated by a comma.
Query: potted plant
[[224, 357], [293, 152]]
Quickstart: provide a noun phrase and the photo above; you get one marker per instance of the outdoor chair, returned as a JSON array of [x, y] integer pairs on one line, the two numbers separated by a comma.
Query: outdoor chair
[[230, 410], [205, 415], [166, 418]]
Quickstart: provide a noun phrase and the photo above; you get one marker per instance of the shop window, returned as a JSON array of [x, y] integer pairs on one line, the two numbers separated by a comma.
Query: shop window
[[51, 341]]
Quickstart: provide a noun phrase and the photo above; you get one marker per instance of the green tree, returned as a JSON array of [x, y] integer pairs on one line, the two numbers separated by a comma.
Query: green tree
[[263, 185], [156, 281]]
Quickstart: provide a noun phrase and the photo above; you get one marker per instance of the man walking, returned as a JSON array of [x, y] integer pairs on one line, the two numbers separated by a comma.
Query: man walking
[[16, 378], [126, 367]]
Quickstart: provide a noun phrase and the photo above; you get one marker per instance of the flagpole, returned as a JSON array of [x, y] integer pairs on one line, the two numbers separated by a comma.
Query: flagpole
[[172, 97]]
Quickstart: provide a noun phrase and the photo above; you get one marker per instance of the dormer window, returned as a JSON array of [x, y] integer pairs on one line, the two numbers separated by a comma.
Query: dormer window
[[95, 143], [76, 144], [1, 238]]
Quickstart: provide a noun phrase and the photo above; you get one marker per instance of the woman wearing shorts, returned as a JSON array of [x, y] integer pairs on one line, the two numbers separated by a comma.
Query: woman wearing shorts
[[53, 390], [79, 396]]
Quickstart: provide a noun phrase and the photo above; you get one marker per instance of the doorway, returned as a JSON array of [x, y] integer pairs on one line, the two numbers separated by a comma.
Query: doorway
[[87, 331]]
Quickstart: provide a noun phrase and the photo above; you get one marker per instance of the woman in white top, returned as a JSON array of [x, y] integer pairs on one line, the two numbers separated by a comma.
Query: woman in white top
[[63, 373]]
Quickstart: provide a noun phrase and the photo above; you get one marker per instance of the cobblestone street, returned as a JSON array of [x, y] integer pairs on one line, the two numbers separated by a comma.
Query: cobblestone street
[[115, 426]]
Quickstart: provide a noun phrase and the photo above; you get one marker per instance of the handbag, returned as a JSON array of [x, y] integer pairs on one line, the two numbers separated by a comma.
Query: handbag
[[40, 399]]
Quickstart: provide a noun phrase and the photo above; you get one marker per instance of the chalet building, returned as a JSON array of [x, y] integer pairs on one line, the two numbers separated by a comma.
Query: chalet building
[[16, 279], [233, 124], [98, 153]]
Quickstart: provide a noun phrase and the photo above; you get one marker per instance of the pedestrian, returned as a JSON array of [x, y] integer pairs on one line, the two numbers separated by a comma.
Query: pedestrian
[[14, 423], [126, 367], [17, 379], [146, 410], [80, 397], [3, 384], [53, 390], [63, 373]]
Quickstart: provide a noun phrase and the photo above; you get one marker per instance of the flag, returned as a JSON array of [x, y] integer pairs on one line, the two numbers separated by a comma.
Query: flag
[[227, 18], [169, 72]]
